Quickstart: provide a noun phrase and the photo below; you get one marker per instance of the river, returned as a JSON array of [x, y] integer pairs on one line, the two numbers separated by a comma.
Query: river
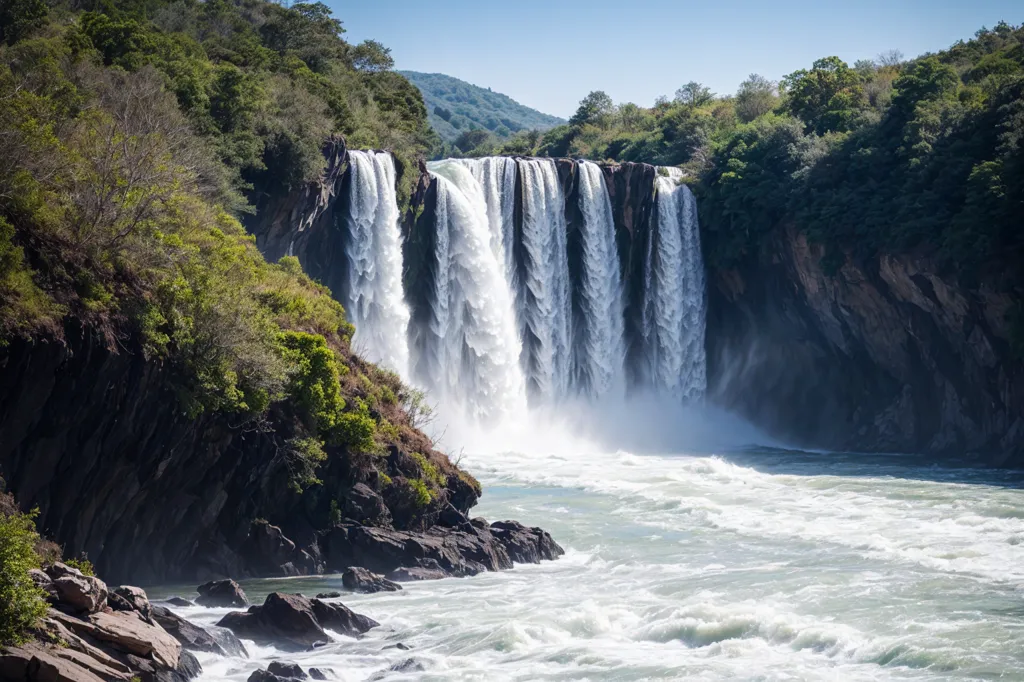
[[748, 564]]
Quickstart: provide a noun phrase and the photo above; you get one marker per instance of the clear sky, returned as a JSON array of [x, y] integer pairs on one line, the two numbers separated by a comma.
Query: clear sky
[[548, 54]]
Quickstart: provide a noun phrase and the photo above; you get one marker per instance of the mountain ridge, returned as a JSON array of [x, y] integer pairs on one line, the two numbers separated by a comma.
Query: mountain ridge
[[455, 106]]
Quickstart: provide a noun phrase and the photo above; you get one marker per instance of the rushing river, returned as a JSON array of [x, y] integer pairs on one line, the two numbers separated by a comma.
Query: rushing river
[[760, 564]]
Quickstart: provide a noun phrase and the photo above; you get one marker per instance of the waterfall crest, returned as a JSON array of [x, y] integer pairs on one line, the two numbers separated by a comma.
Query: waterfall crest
[[473, 346], [374, 298], [674, 295], [601, 348]]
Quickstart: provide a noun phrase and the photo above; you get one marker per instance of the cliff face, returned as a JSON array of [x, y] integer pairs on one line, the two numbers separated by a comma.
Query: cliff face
[[97, 441], [882, 356]]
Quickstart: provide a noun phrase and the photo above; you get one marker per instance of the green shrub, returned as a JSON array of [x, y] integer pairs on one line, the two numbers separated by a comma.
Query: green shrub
[[304, 456], [82, 564], [21, 602], [421, 495], [429, 471]]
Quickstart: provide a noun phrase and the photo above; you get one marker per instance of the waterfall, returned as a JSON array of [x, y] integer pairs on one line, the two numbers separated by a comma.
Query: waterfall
[[674, 294], [473, 344], [374, 298], [497, 178], [601, 349], [544, 296]]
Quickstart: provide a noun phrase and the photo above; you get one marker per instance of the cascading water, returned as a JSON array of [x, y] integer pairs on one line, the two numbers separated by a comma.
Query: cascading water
[[544, 297], [374, 298], [674, 294], [601, 349], [497, 178], [473, 346]]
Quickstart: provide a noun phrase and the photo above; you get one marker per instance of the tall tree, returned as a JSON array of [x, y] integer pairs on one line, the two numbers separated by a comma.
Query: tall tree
[[757, 96], [694, 94], [828, 97], [593, 109]]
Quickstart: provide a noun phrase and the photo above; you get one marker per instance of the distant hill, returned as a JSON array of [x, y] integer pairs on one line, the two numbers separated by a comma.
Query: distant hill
[[455, 106]]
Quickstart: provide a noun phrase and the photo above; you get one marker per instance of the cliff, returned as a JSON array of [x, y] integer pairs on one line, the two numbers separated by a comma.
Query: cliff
[[884, 355]]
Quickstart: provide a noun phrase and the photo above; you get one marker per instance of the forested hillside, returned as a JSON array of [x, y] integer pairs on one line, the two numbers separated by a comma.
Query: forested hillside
[[888, 154], [134, 135], [467, 115]]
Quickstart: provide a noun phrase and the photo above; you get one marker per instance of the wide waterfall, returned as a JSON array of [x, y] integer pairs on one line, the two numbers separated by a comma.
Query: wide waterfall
[[521, 293], [674, 296], [473, 346], [374, 298]]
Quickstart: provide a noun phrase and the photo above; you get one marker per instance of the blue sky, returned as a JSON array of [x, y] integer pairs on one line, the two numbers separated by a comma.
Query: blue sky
[[550, 54]]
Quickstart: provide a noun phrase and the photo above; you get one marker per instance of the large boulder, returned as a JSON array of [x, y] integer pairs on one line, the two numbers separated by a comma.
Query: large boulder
[[287, 670], [136, 598], [76, 592], [359, 579], [194, 638], [415, 574], [221, 593], [526, 545], [292, 622]]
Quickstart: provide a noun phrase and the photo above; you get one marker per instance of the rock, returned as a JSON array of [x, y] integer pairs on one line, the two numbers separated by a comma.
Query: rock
[[119, 603], [322, 673], [33, 663], [77, 592], [136, 597], [341, 619], [287, 670], [382, 550], [363, 504], [178, 601], [526, 545], [413, 574], [264, 676], [194, 638], [361, 580], [221, 593], [451, 517], [268, 552], [409, 665], [43, 582], [328, 595], [188, 667], [295, 623]]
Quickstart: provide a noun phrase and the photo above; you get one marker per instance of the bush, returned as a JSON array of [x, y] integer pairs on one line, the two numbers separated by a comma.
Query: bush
[[21, 602]]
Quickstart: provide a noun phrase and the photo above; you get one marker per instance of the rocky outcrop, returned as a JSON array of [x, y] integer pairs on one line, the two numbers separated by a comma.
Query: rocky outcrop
[[194, 638], [468, 550], [887, 355], [84, 641], [292, 622]]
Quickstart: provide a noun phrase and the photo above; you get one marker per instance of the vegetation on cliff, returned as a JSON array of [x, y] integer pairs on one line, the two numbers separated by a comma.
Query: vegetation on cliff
[[21, 549], [464, 114], [134, 135], [886, 155]]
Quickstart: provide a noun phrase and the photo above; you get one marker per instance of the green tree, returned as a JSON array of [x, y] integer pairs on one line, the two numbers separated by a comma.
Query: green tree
[[371, 56], [18, 18], [827, 98], [756, 97], [593, 109], [21, 602], [694, 94]]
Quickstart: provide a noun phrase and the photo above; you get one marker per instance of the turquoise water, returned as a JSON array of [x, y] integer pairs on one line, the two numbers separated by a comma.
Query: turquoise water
[[756, 564]]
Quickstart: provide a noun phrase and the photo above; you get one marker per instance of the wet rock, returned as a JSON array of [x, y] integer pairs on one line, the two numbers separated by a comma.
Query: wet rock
[[361, 580], [221, 593], [178, 601], [328, 595], [322, 673], [414, 573], [76, 592], [526, 545], [295, 623], [451, 517], [194, 638], [409, 665], [286, 670], [382, 550]]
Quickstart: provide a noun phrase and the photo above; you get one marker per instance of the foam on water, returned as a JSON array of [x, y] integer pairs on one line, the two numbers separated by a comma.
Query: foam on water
[[749, 564]]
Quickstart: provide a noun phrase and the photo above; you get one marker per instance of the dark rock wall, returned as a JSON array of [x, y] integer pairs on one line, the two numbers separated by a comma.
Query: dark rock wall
[[887, 355]]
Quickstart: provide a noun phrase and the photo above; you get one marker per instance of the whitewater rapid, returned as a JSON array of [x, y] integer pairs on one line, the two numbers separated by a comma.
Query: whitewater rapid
[[748, 564]]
